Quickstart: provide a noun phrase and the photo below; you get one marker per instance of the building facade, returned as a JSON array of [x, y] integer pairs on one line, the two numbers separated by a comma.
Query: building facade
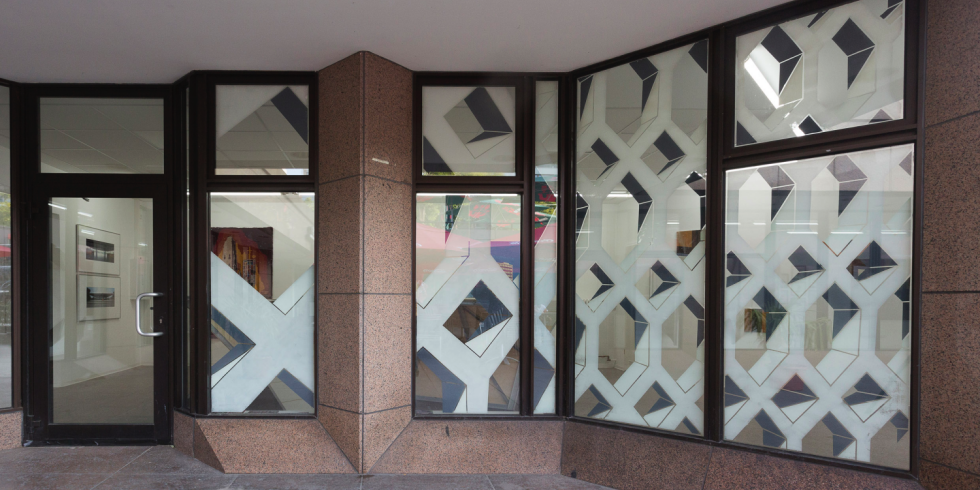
[[739, 257]]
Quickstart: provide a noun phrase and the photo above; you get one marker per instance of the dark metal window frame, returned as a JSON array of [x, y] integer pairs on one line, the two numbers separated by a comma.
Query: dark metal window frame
[[724, 156], [204, 181], [522, 184]]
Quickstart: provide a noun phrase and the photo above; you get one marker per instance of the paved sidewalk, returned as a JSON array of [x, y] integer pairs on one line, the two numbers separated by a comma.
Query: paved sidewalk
[[163, 467]]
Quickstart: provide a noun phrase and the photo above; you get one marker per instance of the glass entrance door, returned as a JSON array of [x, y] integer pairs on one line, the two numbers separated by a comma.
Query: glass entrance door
[[101, 262], [107, 332]]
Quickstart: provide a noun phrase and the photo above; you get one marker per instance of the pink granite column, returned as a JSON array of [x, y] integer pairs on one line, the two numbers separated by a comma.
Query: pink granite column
[[365, 256], [950, 335]]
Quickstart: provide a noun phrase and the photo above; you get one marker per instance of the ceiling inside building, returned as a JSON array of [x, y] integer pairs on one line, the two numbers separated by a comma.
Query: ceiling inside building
[[120, 41]]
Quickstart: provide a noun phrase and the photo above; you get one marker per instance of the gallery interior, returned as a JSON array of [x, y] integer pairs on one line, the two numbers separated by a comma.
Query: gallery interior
[[729, 251]]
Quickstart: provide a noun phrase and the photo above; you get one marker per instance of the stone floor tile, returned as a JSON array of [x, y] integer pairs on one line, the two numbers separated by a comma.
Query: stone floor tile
[[540, 482], [297, 482], [54, 459], [60, 481], [426, 482], [167, 460], [168, 482]]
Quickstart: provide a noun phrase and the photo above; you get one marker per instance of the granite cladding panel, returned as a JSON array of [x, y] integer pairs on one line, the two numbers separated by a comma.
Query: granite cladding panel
[[341, 118], [387, 119], [629, 460], [339, 351], [387, 351], [952, 60], [346, 429], [732, 468], [339, 257], [951, 253], [934, 476], [11, 429], [272, 446], [184, 433], [202, 449], [950, 395], [472, 447], [380, 430], [388, 244]]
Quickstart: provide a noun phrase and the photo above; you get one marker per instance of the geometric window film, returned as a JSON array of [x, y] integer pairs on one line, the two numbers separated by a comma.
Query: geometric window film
[[545, 245], [469, 131], [261, 359], [641, 166], [818, 306], [468, 305], [830, 70], [262, 129]]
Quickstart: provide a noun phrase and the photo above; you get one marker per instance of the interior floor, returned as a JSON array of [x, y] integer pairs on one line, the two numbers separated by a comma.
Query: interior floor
[[124, 397], [164, 467]]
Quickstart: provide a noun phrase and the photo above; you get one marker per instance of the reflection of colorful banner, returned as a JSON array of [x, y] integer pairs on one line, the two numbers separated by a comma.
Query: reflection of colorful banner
[[248, 251]]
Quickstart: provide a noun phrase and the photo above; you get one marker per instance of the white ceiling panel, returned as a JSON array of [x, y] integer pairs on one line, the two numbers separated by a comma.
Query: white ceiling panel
[[125, 41]]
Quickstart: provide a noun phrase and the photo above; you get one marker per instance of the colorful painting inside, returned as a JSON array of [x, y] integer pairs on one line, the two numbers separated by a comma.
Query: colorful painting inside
[[248, 251]]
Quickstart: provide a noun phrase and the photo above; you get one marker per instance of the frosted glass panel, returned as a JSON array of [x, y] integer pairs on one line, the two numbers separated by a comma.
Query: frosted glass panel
[[639, 241], [468, 131], [818, 311], [262, 303], [830, 70], [545, 245], [262, 130], [467, 290]]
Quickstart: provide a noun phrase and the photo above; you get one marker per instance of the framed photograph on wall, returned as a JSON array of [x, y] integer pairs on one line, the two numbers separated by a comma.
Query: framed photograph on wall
[[98, 297], [98, 251], [248, 251]]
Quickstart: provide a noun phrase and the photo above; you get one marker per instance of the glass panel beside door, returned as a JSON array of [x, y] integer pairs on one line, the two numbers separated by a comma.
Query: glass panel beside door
[[102, 367]]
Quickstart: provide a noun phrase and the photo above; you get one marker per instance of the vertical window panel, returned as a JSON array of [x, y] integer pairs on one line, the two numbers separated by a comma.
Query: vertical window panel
[[468, 131], [262, 302], [830, 70], [545, 245], [467, 292], [262, 130], [640, 215], [818, 306], [6, 253]]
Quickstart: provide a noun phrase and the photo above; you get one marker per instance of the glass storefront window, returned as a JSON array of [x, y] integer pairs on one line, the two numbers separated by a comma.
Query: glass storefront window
[[835, 69], [6, 250], [639, 231], [818, 312], [468, 131], [467, 290], [104, 136], [262, 129], [545, 245], [262, 302]]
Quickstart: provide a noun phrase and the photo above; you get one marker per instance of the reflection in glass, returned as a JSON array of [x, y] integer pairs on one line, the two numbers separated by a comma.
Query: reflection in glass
[[101, 259], [262, 129], [109, 136], [639, 228], [6, 249], [545, 245], [830, 70], [468, 131], [818, 305], [468, 270], [262, 302]]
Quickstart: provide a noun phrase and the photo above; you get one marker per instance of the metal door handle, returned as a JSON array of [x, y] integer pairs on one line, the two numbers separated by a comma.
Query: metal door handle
[[138, 329]]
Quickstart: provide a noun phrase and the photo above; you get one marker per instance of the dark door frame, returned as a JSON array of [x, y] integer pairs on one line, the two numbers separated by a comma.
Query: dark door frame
[[40, 188]]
